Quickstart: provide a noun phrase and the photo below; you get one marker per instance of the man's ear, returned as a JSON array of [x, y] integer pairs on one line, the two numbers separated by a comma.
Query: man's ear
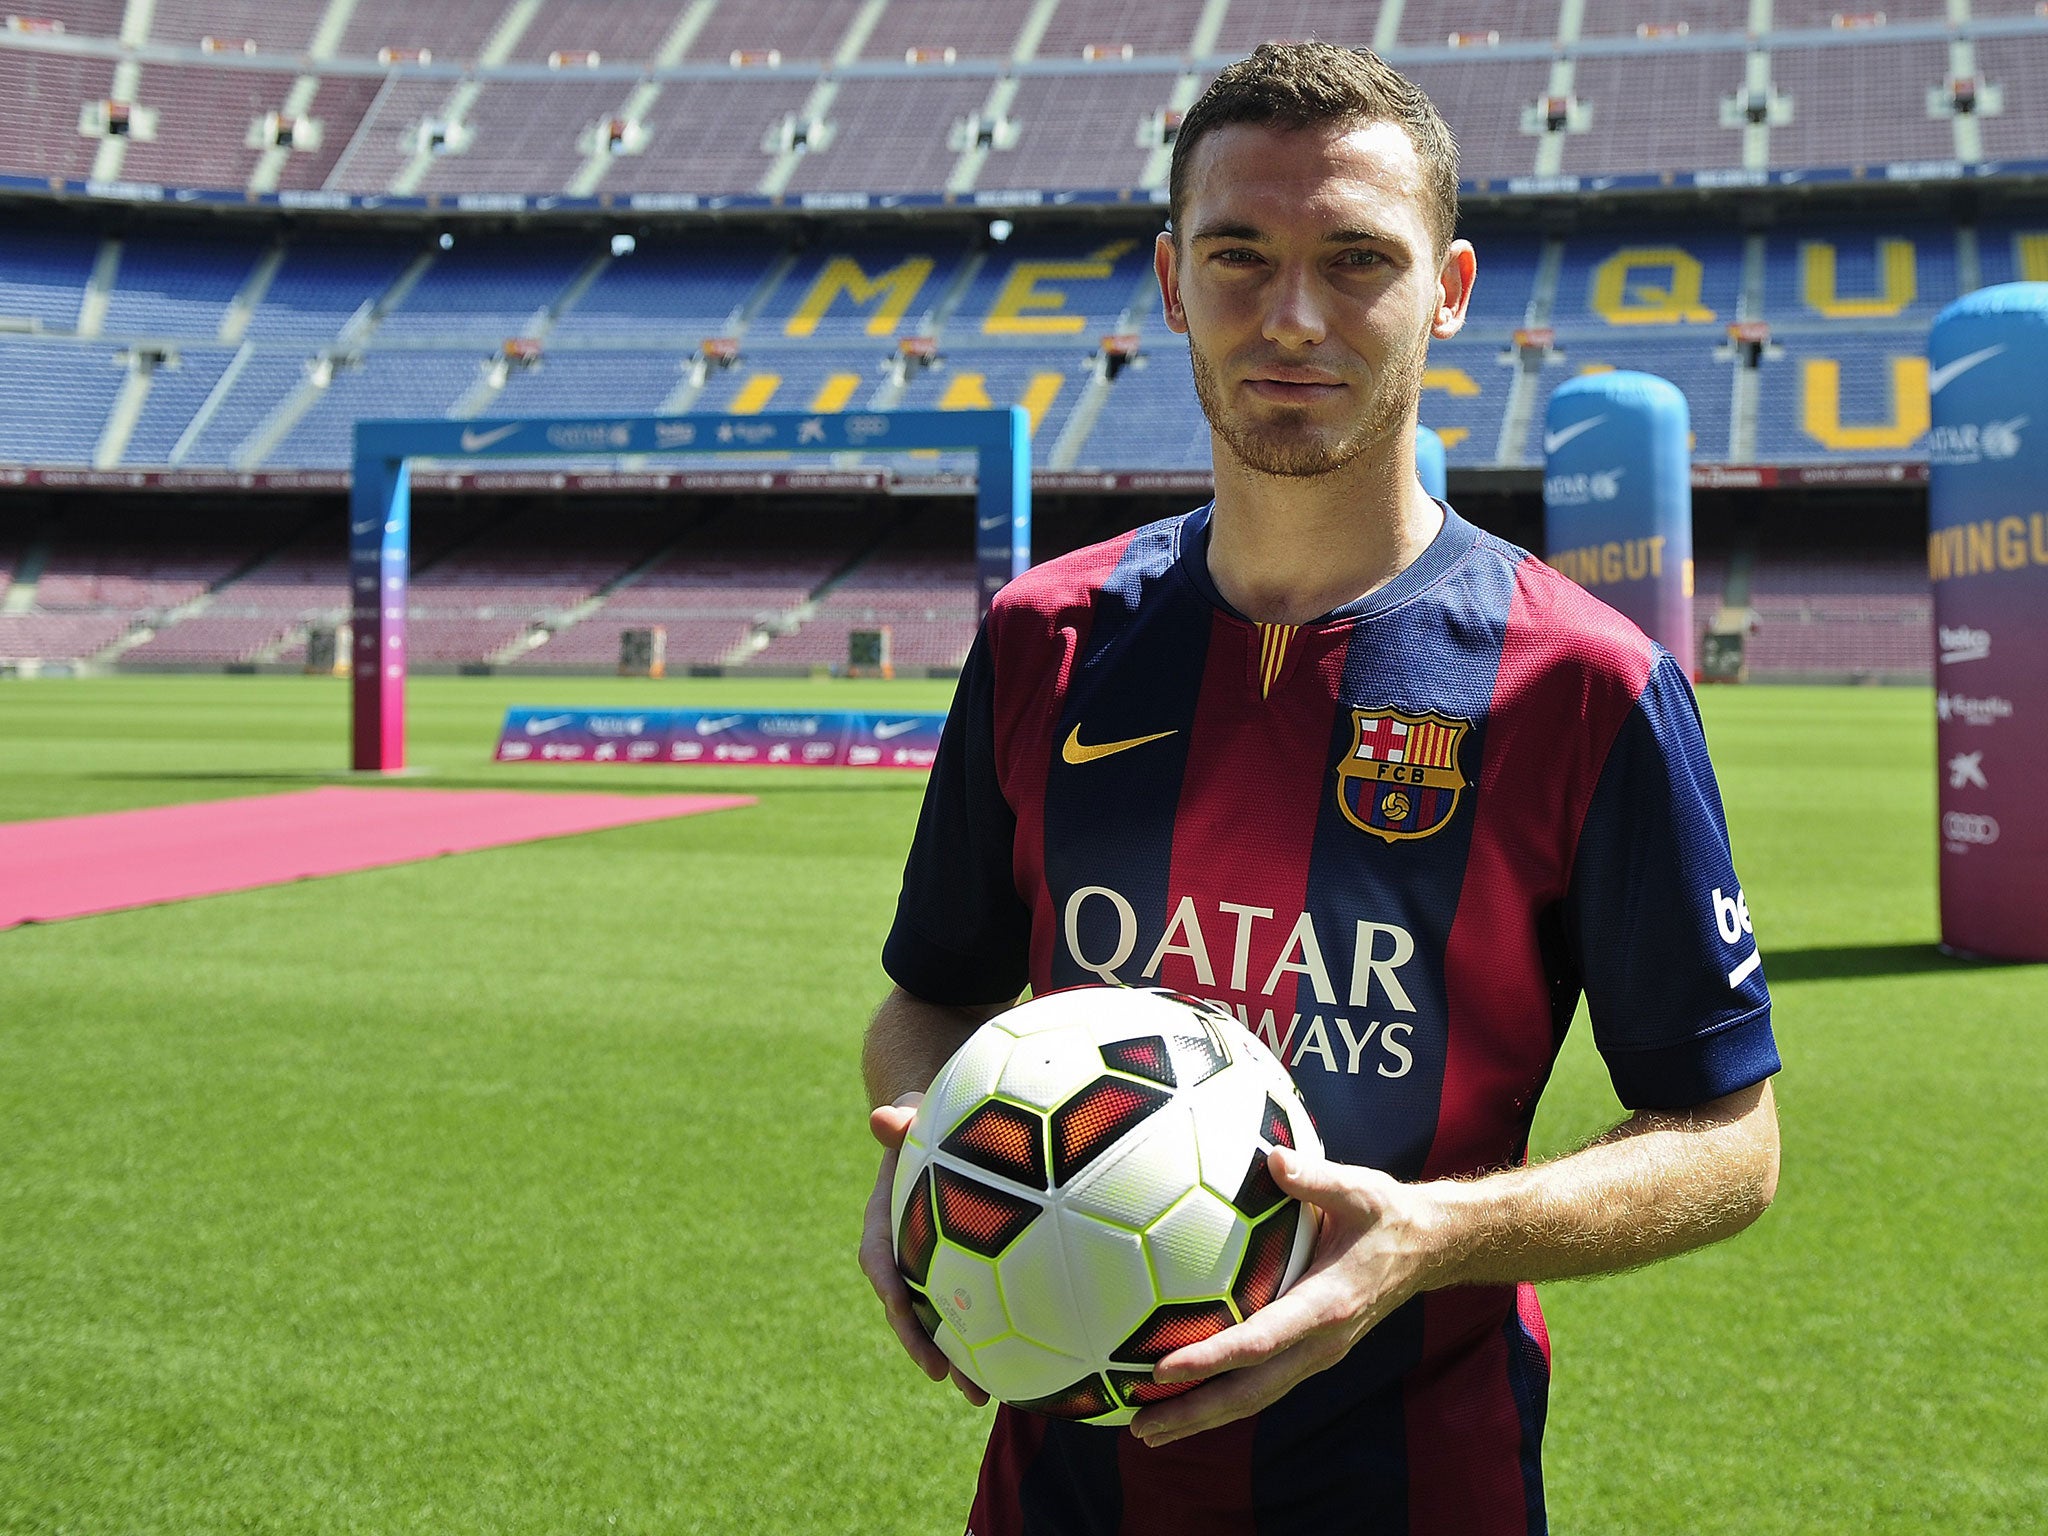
[[1166, 263], [1454, 289]]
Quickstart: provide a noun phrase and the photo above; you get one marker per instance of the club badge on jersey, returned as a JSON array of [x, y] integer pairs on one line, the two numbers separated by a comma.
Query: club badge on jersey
[[1400, 779]]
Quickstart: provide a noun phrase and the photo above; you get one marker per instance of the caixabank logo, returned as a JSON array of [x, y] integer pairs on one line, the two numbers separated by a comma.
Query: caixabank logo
[[1400, 778]]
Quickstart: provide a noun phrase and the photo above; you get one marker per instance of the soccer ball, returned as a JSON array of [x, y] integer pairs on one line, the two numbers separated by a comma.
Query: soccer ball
[[1084, 1190]]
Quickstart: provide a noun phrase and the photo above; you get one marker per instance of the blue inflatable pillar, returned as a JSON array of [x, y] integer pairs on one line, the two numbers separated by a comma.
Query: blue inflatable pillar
[[1429, 462], [1617, 499], [1987, 555]]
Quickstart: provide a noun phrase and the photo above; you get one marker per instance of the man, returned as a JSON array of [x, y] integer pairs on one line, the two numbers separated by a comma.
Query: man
[[1394, 792]]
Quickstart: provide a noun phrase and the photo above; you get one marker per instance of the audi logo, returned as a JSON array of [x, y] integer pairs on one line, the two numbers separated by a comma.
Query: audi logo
[[1960, 827]]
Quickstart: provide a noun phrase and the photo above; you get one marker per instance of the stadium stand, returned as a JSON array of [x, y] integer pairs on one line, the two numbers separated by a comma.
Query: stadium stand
[[43, 275], [453, 31], [1657, 112], [885, 138], [1870, 114], [40, 96], [142, 341], [617, 31], [933, 26], [271, 27], [1076, 130], [524, 136], [706, 137], [1348, 23], [172, 287]]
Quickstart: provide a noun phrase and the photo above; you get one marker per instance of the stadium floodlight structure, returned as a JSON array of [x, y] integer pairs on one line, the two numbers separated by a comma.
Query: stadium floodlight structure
[[380, 506]]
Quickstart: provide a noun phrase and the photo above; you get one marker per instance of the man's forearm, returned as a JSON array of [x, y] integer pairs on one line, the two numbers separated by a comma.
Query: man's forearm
[[909, 1039], [1654, 1186]]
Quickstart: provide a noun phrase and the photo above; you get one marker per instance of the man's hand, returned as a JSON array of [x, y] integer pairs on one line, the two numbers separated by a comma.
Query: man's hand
[[890, 1122], [1660, 1183], [1374, 1251]]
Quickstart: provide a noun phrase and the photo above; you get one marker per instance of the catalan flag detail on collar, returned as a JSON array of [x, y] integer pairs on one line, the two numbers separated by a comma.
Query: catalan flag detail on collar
[[1273, 642]]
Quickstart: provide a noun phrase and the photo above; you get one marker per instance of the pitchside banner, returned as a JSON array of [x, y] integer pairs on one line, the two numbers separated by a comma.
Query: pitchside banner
[[753, 738], [1617, 498], [1987, 553]]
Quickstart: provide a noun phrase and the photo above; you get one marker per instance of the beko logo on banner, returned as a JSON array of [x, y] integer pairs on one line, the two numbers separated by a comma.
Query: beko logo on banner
[[1964, 645], [1578, 490], [1960, 827], [1953, 706], [1974, 442]]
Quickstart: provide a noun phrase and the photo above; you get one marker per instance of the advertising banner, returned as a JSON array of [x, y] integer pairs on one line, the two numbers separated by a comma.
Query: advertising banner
[[1617, 498], [1987, 556], [732, 738]]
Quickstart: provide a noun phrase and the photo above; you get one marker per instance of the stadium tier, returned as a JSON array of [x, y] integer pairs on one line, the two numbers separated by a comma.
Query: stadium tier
[[1797, 345], [653, 101]]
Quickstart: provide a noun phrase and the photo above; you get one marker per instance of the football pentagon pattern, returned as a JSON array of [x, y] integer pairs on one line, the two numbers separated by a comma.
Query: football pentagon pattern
[[1084, 1190]]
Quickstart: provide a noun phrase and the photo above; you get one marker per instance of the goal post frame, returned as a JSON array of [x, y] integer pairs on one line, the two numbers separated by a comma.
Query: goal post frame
[[380, 507]]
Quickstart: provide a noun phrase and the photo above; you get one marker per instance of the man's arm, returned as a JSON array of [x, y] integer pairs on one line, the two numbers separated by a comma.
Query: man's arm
[[907, 1042], [1656, 1185]]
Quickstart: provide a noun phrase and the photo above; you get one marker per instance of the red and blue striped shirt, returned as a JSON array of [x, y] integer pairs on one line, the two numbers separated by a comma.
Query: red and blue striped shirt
[[1399, 842]]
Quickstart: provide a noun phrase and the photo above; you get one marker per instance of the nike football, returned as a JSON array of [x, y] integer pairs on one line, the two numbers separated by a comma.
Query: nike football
[[1084, 1190]]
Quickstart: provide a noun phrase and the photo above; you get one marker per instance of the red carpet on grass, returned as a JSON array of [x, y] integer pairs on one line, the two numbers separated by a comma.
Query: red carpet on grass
[[75, 865]]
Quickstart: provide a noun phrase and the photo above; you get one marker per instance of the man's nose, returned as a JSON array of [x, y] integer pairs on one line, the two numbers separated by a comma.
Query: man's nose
[[1294, 308]]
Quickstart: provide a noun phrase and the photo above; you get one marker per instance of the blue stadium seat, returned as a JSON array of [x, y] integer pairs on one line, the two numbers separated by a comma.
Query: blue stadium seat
[[679, 289], [54, 399], [321, 284], [1859, 274], [1685, 279], [175, 396], [1851, 394], [856, 291], [43, 275], [177, 286]]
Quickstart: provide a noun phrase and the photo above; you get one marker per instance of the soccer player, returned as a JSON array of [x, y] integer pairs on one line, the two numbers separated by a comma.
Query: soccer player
[[1394, 792]]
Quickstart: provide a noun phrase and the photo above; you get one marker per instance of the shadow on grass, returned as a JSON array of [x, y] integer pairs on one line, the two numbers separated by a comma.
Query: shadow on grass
[[1848, 962]]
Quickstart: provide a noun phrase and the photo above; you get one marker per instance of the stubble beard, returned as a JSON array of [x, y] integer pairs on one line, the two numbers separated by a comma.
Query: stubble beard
[[1302, 451]]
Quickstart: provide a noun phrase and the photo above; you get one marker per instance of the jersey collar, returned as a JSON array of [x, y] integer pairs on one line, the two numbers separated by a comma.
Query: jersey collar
[[1452, 543]]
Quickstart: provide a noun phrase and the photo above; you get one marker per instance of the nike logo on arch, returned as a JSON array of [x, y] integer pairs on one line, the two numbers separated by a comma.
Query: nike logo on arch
[[477, 442], [1073, 751]]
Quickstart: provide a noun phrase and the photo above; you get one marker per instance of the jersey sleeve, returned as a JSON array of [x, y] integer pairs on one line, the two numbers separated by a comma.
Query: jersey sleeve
[[962, 934], [1656, 919]]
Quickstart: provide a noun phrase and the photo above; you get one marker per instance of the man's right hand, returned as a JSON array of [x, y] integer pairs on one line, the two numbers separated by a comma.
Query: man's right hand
[[890, 1123]]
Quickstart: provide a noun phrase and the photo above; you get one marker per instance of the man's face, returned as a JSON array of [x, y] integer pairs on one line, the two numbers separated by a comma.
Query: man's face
[[1307, 283]]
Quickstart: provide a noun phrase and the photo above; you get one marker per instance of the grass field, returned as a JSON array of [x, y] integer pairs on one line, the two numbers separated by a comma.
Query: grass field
[[518, 1191]]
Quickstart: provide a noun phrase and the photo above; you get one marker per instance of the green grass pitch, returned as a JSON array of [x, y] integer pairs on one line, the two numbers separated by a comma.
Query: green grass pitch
[[518, 1191]]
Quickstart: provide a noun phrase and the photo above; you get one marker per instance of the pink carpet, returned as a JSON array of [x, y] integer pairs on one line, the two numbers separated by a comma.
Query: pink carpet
[[75, 865]]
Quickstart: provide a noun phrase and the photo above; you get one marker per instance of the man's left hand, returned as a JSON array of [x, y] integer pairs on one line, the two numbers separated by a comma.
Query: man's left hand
[[1380, 1240]]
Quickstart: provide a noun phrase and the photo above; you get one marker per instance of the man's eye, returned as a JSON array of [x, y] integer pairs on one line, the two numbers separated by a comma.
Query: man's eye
[[1361, 259]]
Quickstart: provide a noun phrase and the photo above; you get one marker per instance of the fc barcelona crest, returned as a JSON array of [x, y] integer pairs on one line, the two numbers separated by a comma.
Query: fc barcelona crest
[[1400, 778]]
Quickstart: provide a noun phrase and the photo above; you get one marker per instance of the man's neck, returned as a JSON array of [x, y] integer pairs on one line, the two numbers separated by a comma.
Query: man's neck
[[1287, 550]]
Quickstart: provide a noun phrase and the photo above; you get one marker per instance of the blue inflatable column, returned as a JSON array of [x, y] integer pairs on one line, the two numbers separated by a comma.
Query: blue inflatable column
[[1617, 498], [1429, 462], [1987, 554]]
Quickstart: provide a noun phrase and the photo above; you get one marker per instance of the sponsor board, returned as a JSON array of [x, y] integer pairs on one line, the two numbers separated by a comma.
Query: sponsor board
[[733, 738]]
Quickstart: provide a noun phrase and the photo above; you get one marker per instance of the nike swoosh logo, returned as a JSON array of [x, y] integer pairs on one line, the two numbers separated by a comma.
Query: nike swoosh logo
[[713, 727], [990, 524], [477, 442], [1552, 441], [895, 728], [1072, 751], [1939, 378], [362, 528], [542, 727]]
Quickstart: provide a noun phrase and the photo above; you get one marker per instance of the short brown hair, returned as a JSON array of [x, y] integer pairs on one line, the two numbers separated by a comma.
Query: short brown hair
[[1300, 85]]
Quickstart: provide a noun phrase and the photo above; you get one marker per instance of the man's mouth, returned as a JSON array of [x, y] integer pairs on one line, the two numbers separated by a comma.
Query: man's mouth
[[1293, 386]]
